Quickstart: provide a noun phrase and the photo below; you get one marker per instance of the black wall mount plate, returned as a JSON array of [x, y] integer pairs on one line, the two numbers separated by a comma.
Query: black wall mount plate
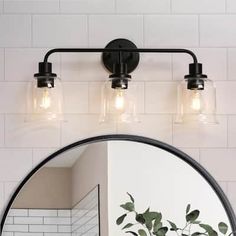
[[111, 58]]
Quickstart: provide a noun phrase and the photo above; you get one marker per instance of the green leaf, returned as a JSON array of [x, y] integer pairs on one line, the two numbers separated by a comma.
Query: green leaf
[[142, 232], [196, 222], [196, 234], [147, 210], [140, 219], [157, 223], [157, 226], [131, 232], [131, 197], [158, 218], [209, 229], [173, 226], [213, 233], [223, 228], [121, 219], [184, 235], [129, 206], [127, 226], [188, 208], [149, 225], [192, 216], [150, 215], [162, 231]]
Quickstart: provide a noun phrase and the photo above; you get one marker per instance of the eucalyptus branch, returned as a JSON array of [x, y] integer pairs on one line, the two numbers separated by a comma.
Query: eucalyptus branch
[[151, 222]]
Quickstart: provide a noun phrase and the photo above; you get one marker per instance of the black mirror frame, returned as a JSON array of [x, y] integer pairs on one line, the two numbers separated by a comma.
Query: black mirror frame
[[123, 137]]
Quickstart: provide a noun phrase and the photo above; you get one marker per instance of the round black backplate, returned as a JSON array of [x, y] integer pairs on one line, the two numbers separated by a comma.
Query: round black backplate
[[130, 58]]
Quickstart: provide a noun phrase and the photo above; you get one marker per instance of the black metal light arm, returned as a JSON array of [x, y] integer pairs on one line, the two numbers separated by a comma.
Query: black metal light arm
[[121, 57], [141, 50]]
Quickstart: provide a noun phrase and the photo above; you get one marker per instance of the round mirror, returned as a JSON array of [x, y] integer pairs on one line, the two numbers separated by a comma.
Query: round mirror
[[116, 185]]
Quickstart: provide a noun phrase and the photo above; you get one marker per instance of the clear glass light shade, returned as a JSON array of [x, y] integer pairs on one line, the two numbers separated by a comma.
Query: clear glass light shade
[[198, 106], [45, 103], [119, 105]]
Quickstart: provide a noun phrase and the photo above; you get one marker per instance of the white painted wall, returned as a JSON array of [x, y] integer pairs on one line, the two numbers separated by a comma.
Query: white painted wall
[[49, 188], [29, 28], [89, 171]]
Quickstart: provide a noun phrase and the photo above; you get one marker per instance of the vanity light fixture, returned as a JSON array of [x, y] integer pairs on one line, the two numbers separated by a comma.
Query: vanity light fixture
[[47, 95], [196, 93], [196, 101]]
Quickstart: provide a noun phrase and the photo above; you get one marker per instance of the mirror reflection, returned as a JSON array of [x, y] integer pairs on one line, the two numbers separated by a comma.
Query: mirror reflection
[[83, 191]]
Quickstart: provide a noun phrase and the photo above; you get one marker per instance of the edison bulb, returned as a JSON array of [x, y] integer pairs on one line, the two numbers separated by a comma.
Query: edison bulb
[[196, 101], [119, 100], [46, 99]]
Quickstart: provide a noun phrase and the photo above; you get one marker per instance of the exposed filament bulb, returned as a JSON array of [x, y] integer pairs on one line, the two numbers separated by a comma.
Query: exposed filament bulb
[[196, 101], [119, 99], [46, 100]]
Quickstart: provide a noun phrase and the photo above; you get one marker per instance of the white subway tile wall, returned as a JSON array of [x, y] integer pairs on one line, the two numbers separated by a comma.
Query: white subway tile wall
[[38, 222], [162, 31], [35, 6], [59, 31], [231, 6], [15, 30], [109, 27], [82, 219], [29, 28], [200, 6]]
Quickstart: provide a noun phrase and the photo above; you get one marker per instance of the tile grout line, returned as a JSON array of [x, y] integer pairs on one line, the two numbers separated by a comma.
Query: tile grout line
[[144, 30], [32, 158], [88, 96], [200, 155], [190, 47], [172, 67], [144, 98], [31, 22], [88, 30], [172, 129], [4, 130], [167, 13], [227, 64], [4, 64], [115, 7], [59, 2], [227, 128], [199, 31], [227, 188], [145, 94], [61, 133]]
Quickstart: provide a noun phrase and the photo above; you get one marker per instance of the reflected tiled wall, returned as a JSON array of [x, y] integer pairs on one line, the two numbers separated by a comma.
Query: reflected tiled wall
[[38, 222], [85, 216], [29, 28], [82, 220]]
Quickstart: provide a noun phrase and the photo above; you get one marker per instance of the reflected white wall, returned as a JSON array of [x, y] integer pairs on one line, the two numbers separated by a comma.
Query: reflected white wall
[[160, 180]]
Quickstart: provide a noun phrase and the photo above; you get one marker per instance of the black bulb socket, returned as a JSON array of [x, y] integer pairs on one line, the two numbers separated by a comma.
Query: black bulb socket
[[120, 77], [195, 77], [45, 77]]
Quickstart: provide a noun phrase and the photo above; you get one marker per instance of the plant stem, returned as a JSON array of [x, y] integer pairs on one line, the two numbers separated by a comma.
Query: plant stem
[[185, 227]]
